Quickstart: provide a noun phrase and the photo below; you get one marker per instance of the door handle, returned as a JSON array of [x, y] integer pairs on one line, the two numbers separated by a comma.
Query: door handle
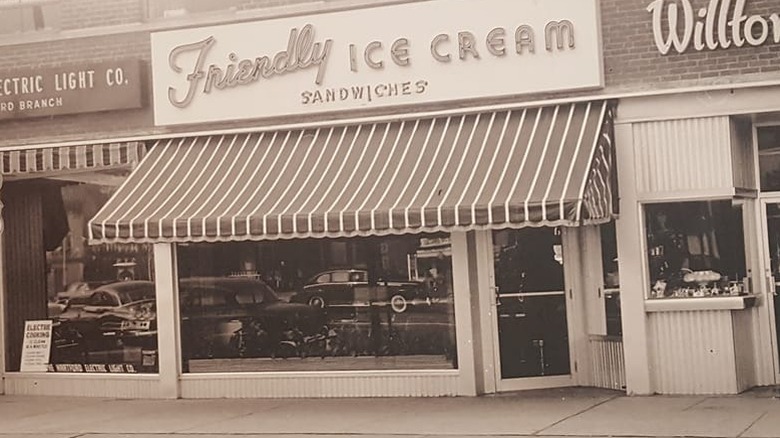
[[497, 301]]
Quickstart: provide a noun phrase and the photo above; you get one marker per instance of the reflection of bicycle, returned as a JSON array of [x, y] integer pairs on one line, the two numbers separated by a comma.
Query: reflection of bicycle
[[297, 344], [67, 343]]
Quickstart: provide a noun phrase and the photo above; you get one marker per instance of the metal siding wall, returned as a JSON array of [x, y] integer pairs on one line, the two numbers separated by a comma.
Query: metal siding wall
[[84, 386], [745, 357], [608, 365], [317, 385], [692, 352], [678, 156]]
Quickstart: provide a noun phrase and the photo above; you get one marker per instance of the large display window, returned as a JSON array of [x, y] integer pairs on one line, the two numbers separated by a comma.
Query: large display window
[[99, 299], [696, 249], [380, 303]]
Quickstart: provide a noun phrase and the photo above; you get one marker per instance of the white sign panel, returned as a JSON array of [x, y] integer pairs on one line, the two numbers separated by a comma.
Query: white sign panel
[[412, 53], [36, 346]]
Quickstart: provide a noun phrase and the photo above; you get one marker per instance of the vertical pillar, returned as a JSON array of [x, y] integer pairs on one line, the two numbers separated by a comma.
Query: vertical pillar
[[461, 281], [631, 263], [168, 347], [2, 294], [575, 294], [593, 276], [484, 303]]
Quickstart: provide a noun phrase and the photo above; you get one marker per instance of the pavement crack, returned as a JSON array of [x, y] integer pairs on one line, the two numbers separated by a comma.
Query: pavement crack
[[609, 399], [696, 404], [752, 424]]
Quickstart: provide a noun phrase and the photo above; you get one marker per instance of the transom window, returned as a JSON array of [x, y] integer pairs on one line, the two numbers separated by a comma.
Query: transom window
[[769, 157]]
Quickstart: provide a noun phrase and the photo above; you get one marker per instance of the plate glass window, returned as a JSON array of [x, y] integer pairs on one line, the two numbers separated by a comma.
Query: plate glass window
[[696, 249], [297, 306], [100, 298]]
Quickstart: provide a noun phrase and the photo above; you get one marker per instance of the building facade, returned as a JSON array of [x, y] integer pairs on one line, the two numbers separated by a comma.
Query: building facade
[[388, 198]]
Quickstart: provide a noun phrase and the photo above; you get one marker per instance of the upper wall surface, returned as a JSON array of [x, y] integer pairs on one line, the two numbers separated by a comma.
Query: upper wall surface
[[94, 31]]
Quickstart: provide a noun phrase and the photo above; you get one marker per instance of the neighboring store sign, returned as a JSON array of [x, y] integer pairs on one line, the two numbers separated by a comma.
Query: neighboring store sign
[[71, 89], [411, 53], [36, 346], [721, 24], [92, 368]]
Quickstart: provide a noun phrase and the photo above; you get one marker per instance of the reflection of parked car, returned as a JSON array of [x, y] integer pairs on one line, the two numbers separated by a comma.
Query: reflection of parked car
[[57, 304], [237, 316], [114, 312], [350, 288]]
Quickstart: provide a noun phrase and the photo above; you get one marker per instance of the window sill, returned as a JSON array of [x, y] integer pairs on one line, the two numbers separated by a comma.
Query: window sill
[[699, 304]]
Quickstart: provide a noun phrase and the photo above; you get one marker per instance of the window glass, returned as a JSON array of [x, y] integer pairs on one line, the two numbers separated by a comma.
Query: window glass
[[20, 16], [769, 157], [100, 298], [611, 279], [341, 277], [696, 249], [308, 322], [531, 302]]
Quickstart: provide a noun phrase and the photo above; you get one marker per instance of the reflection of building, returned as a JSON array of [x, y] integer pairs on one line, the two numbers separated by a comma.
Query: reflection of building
[[477, 156], [430, 252]]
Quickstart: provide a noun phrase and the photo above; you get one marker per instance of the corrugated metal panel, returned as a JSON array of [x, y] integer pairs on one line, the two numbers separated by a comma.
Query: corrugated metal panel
[[763, 361], [679, 156], [114, 386], [608, 365], [744, 350], [692, 352], [293, 385], [24, 264]]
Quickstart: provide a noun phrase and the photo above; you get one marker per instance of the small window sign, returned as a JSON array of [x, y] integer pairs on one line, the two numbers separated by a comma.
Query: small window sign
[[36, 346]]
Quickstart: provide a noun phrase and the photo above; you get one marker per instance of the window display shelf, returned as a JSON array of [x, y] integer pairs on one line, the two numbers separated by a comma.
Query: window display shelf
[[706, 303]]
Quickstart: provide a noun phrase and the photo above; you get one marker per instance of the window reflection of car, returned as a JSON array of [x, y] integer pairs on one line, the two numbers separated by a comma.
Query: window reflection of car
[[57, 304], [350, 288], [116, 312], [242, 317]]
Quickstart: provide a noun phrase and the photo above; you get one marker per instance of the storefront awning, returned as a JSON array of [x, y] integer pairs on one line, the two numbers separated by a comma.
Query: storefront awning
[[56, 160], [536, 166]]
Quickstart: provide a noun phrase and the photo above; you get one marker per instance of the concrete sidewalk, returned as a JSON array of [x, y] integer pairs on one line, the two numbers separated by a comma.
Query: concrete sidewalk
[[569, 412]]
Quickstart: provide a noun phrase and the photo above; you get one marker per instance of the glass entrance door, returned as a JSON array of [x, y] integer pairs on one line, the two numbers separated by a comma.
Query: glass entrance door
[[772, 212], [532, 333]]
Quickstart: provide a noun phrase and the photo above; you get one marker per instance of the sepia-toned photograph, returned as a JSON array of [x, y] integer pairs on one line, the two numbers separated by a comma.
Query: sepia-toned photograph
[[416, 218]]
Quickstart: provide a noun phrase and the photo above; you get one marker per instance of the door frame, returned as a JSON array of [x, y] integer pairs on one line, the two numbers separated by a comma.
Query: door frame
[[768, 288], [571, 272]]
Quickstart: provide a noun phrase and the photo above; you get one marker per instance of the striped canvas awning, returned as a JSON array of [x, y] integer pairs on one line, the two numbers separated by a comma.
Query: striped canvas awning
[[56, 160], [536, 166]]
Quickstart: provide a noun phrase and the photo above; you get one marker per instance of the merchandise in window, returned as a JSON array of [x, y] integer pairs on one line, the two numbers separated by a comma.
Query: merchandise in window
[[696, 249], [99, 299], [287, 306]]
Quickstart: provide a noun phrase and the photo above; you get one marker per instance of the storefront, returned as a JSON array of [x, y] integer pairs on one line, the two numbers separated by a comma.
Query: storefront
[[436, 251], [354, 202]]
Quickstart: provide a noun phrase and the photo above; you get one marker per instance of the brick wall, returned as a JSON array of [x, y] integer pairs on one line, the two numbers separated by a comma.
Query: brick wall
[[632, 61], [80, 14]]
